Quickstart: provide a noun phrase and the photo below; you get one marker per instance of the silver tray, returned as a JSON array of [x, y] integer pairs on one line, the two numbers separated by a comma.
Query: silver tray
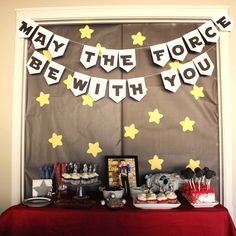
[[37, 202]]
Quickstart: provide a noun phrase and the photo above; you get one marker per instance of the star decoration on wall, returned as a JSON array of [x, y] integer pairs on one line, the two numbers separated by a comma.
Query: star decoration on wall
[[86, 32], [101, 49], [43, 99], [197, 92], [193, 164], [175, 64], [87, 100], [130, 131], [156, 163], [187, 124], [47, 54], [55, 140], [94, 149], [68, 81], [155, 116], [138, 39]]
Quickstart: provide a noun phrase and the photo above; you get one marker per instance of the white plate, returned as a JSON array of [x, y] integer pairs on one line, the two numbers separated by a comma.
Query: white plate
[[201, 205], [157, 205], [206, 204], [37, 202]]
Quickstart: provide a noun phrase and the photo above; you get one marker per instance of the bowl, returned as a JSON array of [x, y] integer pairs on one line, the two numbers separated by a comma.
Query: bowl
[[119, 192]]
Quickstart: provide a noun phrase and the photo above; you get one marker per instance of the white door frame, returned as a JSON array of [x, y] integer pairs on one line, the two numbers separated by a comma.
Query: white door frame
[[110, 14]]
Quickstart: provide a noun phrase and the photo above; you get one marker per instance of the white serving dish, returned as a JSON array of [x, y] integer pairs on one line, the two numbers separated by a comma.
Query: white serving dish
[[203, 204], [206, 204], [161, 206]]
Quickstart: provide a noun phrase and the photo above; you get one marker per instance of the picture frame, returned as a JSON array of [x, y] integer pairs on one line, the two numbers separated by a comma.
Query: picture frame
[[122, 171]]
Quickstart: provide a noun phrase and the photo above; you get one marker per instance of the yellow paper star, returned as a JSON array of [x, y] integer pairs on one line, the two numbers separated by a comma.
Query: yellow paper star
[[155, 162], [101, 49], [94, 149], [138, 39], [130, 131], [87, 100], [175, 64], [86, 32], [43, 98], [197, 92], [193, 164], [68, 81], [155, 116], [187, 124], [55, 140], [47, 54]]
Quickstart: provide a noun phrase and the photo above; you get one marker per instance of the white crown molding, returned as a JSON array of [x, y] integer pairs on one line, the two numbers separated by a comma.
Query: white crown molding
[[122, 12]]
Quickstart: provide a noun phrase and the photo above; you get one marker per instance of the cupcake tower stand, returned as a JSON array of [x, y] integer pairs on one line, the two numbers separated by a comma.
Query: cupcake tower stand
[[79, 189], [80, 181]]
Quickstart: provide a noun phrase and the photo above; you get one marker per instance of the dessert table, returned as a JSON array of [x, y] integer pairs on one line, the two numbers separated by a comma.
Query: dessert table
[[20, 220]]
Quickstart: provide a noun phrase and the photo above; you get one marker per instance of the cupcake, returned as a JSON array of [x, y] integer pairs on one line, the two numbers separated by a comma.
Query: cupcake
[[85, 178], [95, 177], [92, 178], [151, 198], [75, 178], [161, 198], [172, 197], [66, 177], [141, 198]]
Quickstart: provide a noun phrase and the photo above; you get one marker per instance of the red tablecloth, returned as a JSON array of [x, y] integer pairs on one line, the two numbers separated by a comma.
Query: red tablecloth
[[20, 220]]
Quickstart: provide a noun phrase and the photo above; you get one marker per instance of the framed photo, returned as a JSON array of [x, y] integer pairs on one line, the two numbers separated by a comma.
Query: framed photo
[[122, 171]]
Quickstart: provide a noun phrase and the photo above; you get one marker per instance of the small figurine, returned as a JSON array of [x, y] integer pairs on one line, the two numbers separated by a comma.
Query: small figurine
[[124, 169], [85, 168], [78, 167], [75, 170], [90, 168], [69, 167], [94, 168]]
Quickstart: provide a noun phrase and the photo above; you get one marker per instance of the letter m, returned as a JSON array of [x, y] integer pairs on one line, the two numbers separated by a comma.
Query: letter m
[[26, 28]]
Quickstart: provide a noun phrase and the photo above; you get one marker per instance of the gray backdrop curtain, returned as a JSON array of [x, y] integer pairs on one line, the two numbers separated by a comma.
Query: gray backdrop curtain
[[105, 122]]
